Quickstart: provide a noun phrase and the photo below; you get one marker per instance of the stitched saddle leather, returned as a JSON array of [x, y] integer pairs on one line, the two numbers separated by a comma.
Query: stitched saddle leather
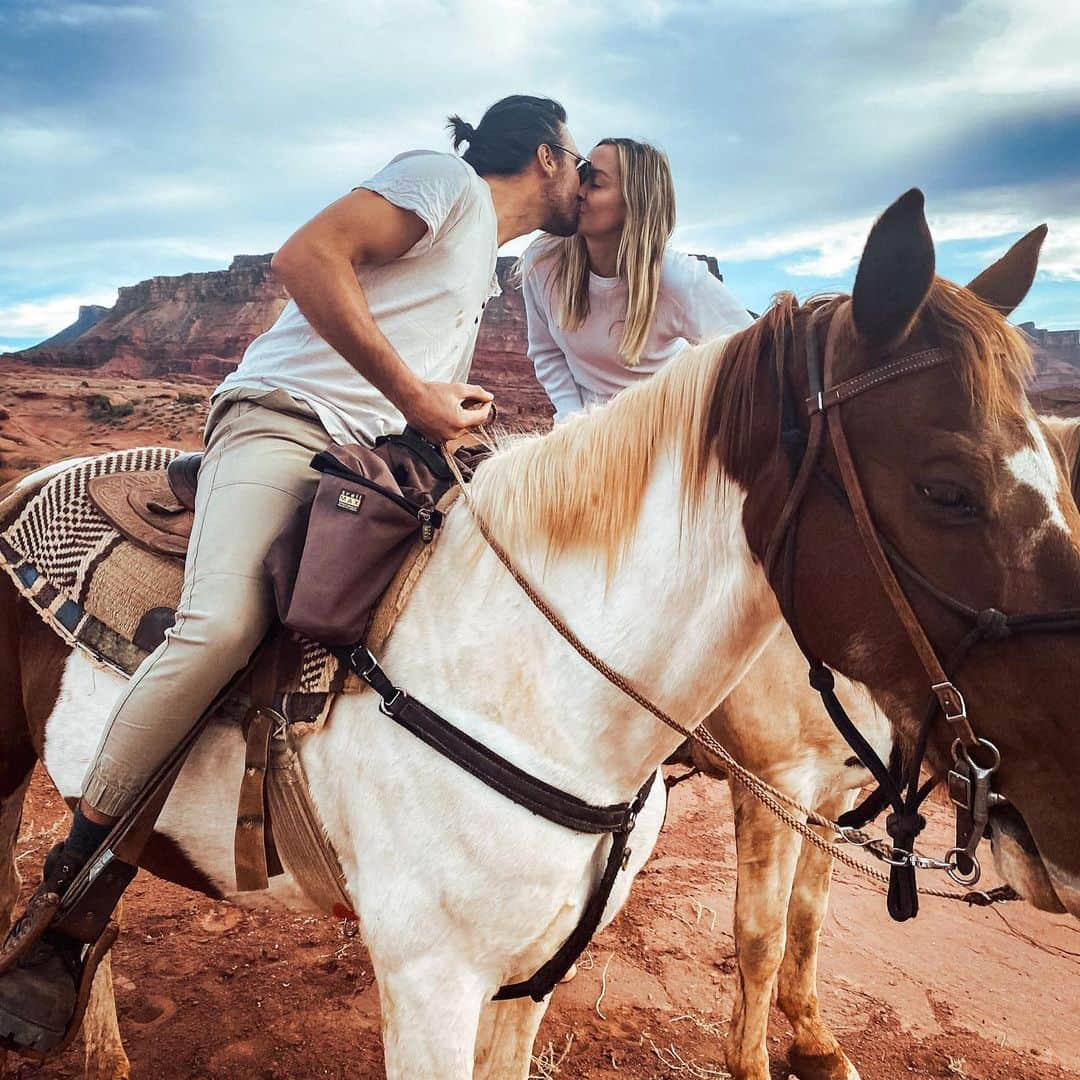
[[144, 508], [152, 509]]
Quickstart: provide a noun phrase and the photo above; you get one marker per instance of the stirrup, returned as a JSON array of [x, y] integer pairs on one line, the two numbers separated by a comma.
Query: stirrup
[[91, 960], [28, 929]]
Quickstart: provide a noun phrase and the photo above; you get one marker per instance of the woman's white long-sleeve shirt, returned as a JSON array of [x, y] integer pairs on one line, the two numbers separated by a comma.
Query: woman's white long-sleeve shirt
[[579, 367]]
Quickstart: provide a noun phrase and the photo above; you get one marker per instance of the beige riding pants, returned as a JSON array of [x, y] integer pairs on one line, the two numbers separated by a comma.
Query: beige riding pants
[[256, 471]]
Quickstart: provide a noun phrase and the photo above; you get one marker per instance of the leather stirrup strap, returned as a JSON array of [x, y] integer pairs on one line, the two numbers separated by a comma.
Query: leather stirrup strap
[[95, 891], [249, 843], [252, 840]]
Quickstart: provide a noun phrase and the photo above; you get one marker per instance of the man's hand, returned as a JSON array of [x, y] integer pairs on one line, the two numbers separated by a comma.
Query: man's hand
[[445, 412]]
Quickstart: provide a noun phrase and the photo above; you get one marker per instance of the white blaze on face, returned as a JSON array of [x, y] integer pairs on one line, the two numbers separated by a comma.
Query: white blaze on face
[[1033, 467]]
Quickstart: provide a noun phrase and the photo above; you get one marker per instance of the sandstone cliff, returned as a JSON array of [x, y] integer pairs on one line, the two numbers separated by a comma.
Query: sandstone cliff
[[89, 316], [200, 324], [500, 363], [192, 324], [1056, 354]]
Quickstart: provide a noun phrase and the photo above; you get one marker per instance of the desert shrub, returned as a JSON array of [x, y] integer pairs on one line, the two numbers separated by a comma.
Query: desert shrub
[[101, 408]]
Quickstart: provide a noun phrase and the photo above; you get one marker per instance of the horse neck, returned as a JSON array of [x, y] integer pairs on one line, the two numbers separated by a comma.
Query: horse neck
[[682, 616]]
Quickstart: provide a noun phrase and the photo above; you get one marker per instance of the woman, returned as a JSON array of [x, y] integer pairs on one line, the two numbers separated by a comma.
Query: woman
[[614, 303]]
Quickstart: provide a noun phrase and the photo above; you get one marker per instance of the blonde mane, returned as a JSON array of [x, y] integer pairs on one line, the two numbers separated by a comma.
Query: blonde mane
[[581, 486], [1066, 429]]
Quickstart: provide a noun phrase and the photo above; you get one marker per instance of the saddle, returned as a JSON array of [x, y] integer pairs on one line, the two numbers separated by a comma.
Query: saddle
[[154, 510], [98, 551]]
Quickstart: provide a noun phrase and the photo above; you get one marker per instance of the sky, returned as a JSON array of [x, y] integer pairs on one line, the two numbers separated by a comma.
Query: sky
[[157, 137]]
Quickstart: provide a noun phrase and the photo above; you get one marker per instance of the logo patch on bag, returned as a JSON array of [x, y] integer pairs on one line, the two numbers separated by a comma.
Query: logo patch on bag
[[349, 500]]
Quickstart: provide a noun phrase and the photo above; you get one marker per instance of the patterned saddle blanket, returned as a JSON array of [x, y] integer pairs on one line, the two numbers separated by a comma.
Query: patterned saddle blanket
[[114, 598]]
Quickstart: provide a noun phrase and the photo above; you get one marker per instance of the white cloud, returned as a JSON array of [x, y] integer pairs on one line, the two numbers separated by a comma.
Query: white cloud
[[22, 141], [222, 132], [1060, 258], [127, 197], [42, 318], [1032, 51], [76, 15], [832, 249]]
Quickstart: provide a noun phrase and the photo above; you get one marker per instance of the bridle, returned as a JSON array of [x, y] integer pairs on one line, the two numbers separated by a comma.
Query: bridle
[[975, 759], [970, 777]]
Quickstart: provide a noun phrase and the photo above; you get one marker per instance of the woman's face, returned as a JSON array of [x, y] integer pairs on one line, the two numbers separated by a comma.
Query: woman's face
[[603, 211]]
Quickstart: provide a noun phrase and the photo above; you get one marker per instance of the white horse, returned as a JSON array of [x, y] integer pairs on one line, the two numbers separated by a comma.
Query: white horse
[[631, 524]]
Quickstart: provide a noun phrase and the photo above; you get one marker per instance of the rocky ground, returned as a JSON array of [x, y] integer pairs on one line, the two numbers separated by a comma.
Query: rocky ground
[[206, 990], [47, 414]]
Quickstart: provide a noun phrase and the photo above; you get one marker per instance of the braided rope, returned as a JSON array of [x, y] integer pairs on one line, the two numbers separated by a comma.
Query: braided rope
[[774, 800]]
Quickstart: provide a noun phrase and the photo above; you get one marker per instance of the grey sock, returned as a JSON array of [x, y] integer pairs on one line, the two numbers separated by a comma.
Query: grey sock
[[85, 836]]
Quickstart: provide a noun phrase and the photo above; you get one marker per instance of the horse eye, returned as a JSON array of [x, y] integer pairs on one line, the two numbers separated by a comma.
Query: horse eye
[[951, 497]]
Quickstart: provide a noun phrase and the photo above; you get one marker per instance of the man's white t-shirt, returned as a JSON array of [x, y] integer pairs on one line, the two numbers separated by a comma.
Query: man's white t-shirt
[[579, 367], [428, 303]]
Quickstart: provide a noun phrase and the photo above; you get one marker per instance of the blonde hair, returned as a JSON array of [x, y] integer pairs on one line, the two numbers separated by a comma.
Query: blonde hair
[[649, 194]]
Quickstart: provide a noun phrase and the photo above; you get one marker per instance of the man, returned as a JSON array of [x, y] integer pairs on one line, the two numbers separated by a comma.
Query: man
[[388, 286]]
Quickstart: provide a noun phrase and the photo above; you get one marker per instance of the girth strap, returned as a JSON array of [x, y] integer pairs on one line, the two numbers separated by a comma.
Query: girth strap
[[517, 785], [547, 977]]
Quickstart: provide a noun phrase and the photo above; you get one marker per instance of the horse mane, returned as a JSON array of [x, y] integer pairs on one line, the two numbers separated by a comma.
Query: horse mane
[[582, 484], [1067, 432], [728, 424], [991, 355]]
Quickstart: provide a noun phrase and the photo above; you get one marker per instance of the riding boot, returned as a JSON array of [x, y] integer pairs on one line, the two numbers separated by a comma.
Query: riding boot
[[38, 992]]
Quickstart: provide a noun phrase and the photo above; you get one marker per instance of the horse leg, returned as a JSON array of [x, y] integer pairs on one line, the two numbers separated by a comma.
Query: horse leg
[[10, 879], [104, 1058], [430, 1015], [505, 1039], [767, 855], [815, 1053], [11, 805], [17, 757]]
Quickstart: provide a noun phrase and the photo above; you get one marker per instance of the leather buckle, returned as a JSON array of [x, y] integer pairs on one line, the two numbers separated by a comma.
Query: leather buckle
[[953, 706], [387, 707], [362, 661]]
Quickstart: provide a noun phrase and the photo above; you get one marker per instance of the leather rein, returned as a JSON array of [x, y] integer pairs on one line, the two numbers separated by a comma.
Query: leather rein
[[975, 759], [969, 780]]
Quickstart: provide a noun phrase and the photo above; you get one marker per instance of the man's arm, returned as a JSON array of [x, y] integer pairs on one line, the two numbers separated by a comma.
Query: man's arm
[[316, 265]]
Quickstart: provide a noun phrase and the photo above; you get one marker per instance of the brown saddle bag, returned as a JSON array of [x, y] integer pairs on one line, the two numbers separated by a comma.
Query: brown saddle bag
[[336, 557]]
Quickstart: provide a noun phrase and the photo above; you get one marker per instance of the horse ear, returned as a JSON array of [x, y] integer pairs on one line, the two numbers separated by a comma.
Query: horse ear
[[1005, 283], [895, 273]]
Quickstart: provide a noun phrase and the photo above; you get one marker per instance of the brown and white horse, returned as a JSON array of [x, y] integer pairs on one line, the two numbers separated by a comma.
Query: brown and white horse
[[644, 524], [774, 725]]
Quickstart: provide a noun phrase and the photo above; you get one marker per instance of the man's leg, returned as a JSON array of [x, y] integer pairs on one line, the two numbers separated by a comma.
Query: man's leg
[[255, 474]]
